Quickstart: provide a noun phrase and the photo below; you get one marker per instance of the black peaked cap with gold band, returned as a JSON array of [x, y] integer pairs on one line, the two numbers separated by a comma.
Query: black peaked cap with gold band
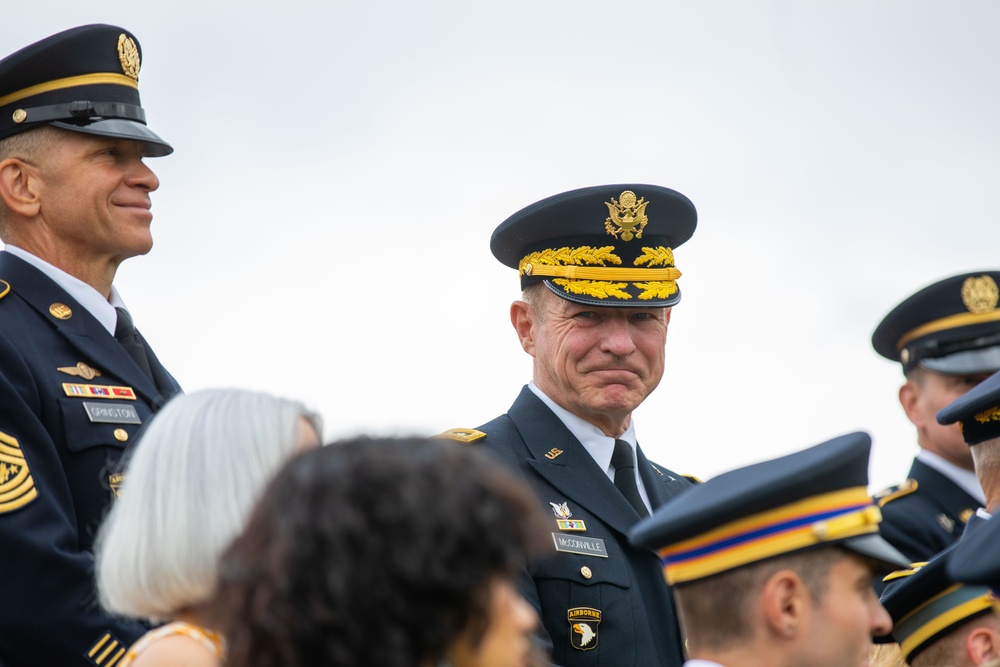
[[951, 327], [607, 245], [85, 79], [926, 603], [977, 410], [814, 497]]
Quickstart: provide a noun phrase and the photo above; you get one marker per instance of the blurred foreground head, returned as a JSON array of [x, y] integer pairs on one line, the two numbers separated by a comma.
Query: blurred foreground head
[[188, 487], [383, 552]]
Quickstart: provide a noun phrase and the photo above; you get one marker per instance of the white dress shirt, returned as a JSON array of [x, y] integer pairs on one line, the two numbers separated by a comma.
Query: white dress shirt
[[93, 301], [600, 447]]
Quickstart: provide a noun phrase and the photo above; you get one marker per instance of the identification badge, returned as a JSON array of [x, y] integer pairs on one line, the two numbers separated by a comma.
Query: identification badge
[[112, 414], [578, 544]]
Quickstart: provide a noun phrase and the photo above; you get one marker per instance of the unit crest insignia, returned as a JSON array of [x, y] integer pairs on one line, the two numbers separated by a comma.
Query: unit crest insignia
[[626, 216], [561, 510], [980, 295]]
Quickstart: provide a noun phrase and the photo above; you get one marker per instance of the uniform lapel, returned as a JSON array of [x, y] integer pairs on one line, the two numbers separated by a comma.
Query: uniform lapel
[[661, 485], [98, 347], [572, 471]]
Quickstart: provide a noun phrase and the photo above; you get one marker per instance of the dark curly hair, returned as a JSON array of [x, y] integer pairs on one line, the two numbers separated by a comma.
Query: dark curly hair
[[373, 552]]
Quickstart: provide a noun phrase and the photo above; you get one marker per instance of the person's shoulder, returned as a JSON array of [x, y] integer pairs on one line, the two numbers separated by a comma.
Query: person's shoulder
[[898, 495], [176, 649]]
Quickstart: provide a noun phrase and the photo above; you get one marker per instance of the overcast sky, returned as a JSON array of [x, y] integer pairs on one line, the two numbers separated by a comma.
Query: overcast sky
[[322, 230]]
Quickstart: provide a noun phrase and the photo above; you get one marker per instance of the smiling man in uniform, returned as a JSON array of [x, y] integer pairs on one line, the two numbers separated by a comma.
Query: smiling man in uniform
[[598, 280], [77, 380]]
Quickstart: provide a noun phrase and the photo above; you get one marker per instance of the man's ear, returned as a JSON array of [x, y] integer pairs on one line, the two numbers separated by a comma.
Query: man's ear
[[982, 645], [19, 187], [909, 397], [784, 604], [522, 318]]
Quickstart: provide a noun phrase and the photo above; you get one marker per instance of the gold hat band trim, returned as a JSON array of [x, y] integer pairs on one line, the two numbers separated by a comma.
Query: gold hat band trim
[[94, 79], [824, 518], [599, 273], [945, 323], [945, 620]]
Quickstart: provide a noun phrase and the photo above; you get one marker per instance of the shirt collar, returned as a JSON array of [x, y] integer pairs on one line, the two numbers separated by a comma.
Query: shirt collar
[[964, 478], [92, 301], [598, 445]]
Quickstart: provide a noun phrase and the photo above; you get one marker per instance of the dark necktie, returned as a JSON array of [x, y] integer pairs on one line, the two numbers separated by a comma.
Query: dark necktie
[[624, 465], [129, 338]]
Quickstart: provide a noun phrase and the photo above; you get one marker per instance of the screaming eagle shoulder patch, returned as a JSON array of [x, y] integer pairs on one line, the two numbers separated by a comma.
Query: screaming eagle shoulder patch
[[17, 488], [583, 622]]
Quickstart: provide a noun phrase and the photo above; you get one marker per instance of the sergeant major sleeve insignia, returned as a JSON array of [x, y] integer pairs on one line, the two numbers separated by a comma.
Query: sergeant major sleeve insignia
[[462, 435], [17, 488]]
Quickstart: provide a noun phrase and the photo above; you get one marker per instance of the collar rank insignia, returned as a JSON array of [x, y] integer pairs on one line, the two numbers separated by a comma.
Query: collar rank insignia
[[553, 453], [583, 622], [626, 216], [80, 370], [561, 511]]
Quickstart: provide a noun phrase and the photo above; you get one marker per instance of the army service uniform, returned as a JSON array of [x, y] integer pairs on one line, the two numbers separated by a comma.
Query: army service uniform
[[612, 592], [71, 399], [71, 396]]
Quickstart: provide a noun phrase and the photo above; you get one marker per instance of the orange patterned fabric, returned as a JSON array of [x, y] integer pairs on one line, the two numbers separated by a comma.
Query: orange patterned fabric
[[212, 641]]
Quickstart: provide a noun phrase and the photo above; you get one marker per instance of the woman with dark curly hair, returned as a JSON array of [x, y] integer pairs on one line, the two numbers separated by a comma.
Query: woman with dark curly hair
[[388, 553]]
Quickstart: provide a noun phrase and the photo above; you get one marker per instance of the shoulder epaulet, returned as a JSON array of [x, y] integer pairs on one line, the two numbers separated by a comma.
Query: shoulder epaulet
[[693, 479], [893, 492], [462, 434], [4, 288]]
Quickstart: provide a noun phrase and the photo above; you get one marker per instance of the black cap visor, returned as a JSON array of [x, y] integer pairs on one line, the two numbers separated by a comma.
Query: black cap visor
[[875, 547], [122, 128], [968, 362]]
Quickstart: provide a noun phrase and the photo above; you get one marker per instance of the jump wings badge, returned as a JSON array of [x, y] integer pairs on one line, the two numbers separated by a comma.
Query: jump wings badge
[[583, 622], [626, 216]]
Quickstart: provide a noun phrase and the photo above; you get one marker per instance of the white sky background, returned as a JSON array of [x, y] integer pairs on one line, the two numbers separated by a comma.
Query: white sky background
[[322, 230]]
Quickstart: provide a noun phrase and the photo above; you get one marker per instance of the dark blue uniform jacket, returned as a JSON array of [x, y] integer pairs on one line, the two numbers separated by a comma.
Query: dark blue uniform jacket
[[928, 519], [636, 623], [57, 469]]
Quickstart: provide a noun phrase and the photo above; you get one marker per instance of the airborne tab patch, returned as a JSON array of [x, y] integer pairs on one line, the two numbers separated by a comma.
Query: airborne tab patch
[[17, 488]]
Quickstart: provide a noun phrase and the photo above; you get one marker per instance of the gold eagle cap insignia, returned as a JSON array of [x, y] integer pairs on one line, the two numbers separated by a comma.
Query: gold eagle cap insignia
[[980, 295], [626, 216], [128, 55]]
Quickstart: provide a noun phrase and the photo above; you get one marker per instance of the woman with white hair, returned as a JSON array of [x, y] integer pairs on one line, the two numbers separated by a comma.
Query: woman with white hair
[[189, 487]]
